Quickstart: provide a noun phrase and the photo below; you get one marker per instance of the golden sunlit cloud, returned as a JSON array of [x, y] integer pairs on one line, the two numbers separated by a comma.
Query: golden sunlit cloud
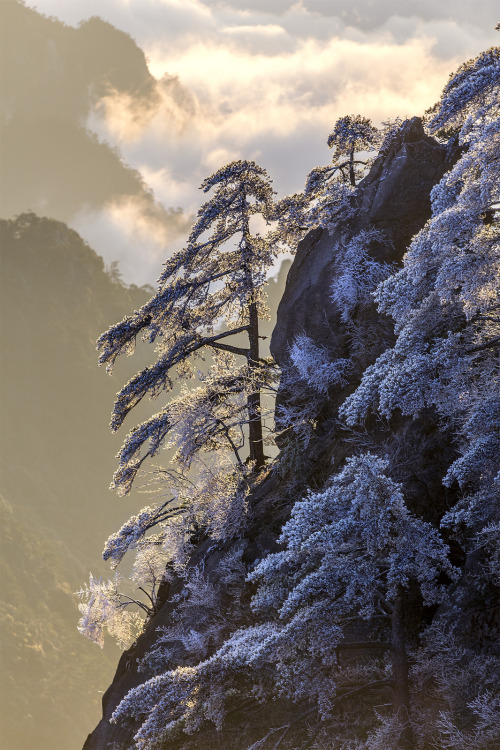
[[249, 79], [266, 29], [276, 110], [133, 234]]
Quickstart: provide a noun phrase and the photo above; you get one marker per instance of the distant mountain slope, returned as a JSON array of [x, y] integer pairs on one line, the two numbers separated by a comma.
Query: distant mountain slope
[[59, 71], [52, 76], [56, 462], [49, 674]]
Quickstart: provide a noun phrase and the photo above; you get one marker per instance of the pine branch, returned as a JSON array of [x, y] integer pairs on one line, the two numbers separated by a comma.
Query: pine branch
[[486, 345]]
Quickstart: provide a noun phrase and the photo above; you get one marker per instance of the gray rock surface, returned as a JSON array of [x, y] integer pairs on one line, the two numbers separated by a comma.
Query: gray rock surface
[[395, 198]]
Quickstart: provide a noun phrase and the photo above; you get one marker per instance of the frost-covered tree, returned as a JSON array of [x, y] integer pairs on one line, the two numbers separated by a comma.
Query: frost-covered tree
[[209, 300], [328, 189], [352, 134], [357, 273], [208, 292], [445, 302], [350, 554], [104, 608]]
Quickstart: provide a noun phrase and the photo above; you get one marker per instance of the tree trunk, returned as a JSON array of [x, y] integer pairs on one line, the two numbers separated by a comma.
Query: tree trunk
[[400, 690], [253, 401], [254, 405], [352, 175]]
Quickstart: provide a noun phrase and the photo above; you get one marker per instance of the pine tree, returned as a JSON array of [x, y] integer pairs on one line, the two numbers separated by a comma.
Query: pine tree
[[208, 293], [446, 298], [328, 190]]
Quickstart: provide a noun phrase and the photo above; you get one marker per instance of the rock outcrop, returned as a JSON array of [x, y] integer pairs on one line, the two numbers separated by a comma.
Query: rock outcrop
[[395, 198]]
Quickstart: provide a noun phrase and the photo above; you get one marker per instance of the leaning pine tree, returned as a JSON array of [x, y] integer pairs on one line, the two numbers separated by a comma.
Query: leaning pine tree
[[208, 294]]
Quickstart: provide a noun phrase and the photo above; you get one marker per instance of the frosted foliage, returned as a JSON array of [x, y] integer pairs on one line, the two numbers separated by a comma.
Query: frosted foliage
[[134, 530], [150, 562], [209, 292], [485, 731], [357, 273], [101, 606], [471, 90], [204, 613], [347, 550], [314, 366], [329, 190], [306, 379], [352, 132], [456, 693], [446, 299], [218, 500], [200, 419], [352, 543]]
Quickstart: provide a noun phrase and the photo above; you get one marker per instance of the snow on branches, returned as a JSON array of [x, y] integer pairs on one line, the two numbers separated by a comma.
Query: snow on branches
[[357, 272], [208, 293], [446, 299], [314, 366], [348, 552]]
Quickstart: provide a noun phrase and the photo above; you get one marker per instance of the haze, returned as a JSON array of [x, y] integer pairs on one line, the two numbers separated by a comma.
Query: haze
[[257, 80]]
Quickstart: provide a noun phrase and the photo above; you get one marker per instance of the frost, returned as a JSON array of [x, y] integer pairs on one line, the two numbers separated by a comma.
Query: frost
[[313, 365], [357, 273]]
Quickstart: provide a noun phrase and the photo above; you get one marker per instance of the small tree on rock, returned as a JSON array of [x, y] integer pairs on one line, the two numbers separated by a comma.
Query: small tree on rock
[[328, 189]]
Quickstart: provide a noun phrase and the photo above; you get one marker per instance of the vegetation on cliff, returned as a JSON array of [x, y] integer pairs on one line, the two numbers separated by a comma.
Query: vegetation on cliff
[[376, 603]]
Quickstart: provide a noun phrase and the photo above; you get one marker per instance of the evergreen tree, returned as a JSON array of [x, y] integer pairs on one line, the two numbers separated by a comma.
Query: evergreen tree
[[446, 298], [208, 293], [328, 189]]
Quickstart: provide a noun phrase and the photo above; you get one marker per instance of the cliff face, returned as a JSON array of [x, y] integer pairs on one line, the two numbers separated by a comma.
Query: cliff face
[[393, 198]]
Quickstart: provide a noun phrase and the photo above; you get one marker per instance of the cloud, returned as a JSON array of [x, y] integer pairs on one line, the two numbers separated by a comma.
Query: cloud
[[267, 81], [249, 105], [270, 29], [127, 231]]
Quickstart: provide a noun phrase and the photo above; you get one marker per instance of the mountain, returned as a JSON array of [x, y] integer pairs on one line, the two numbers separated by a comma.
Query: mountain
[[56, 462], [53, 77], [217, 698]]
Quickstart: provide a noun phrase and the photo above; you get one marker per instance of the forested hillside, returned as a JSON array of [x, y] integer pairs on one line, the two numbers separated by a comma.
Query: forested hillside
[[56, 296], [328, 579]]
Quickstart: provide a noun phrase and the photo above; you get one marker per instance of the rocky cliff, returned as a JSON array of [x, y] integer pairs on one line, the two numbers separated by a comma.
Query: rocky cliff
[[394, 198]]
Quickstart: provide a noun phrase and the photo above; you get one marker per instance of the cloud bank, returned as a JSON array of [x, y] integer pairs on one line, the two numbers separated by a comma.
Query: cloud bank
[[267, 81]]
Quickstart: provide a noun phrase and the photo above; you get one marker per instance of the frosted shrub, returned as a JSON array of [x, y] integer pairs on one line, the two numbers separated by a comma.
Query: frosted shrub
[[102, 608], [357, 273], [314, 367]]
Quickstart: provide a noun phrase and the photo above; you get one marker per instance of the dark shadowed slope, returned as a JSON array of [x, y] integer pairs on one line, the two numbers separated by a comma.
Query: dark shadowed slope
[[52, 77]]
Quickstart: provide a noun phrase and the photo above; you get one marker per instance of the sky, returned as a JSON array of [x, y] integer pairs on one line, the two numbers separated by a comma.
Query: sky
[[263, 80]]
